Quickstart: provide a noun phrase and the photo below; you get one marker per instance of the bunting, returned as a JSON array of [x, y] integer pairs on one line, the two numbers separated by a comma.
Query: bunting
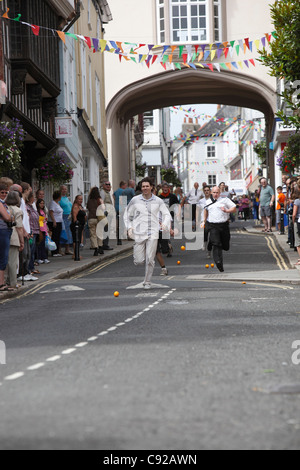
[[177, 57]]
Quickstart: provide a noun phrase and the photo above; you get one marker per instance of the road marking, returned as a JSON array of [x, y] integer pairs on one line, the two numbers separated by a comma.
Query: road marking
[[16, 376], [67, 352], [36, 366]]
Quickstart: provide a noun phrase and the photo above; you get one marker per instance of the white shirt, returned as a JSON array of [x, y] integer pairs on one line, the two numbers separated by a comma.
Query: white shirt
[[194, 198], [215, 213], [26, 223], [202, 204], [145, 216], [57, 212]]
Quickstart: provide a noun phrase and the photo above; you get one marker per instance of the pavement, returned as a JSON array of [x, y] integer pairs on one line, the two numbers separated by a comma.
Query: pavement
[[192, 364]]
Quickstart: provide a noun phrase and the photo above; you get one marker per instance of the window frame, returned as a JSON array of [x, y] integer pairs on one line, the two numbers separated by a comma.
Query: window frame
[[189, 4]]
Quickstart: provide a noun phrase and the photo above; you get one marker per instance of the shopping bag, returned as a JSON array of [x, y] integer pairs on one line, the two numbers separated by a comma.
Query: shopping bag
[[50, 245]]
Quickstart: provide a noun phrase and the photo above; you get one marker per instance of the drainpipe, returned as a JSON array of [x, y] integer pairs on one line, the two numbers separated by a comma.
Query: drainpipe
[[77, 15]]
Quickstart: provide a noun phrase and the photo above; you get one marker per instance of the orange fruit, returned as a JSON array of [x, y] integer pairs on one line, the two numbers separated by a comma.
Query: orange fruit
[[117, 294], [178, 262], [183, 248]]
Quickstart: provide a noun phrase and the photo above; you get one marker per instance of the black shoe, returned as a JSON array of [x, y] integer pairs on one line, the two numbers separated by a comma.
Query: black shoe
[[120, 243], [100, 251], [220, 267], [96, 252], [107, 248]]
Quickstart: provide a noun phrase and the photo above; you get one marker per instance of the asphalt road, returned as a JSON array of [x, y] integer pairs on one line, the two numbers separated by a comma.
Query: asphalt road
[[197, 365]]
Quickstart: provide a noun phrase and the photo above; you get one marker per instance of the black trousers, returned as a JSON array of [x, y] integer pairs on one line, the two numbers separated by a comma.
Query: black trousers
[[219, 239]]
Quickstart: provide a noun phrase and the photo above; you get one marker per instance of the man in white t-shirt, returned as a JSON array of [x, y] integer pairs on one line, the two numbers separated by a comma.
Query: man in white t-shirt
[[216, 216]]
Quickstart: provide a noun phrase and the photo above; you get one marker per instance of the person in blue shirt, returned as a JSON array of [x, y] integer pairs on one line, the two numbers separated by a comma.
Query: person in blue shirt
[[66, 205], [117, 195]]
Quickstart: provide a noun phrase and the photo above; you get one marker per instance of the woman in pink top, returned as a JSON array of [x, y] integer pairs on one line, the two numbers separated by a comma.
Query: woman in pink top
[[245, 207]]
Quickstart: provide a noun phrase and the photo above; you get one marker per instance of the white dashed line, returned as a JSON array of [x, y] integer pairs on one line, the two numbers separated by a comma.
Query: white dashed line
[[36, 366], [69, 351]]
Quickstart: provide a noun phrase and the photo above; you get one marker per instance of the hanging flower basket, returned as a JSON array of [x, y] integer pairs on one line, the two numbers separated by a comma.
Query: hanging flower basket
[[53, 169], [12, 136]]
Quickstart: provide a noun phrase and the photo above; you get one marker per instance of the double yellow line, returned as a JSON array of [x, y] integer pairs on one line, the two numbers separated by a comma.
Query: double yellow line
[[276, 253]]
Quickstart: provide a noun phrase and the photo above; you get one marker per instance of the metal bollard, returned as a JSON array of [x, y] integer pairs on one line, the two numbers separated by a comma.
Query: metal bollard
[[282, 227], [77, 242]]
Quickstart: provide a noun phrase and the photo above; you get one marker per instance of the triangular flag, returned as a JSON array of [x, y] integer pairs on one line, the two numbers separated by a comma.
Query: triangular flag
[[235, 65], [150, 47], [232, 43], [211, 67], [103, 43], [72, 36], [247, 63], [229, 65], [213, 53], [241, 64], [184, 58], [89, 42], [165, 58], [218, 67], [220, 52], [18, 17], [247, 43], [237, 48], [223, 66], [200, 56], [263, 41], [180, 51], [206, 55], [36, 30], [178, 65], [6, 14], [96, 43], [252, 61], [257, 44], [154, 59], [226, 52]]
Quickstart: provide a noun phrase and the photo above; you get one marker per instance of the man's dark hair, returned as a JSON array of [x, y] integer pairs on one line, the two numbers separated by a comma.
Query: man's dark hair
[[206, 187], [147, 180]]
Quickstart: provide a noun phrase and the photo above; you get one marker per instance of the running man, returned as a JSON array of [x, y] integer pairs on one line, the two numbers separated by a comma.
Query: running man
[[216, 217], [142, 220]]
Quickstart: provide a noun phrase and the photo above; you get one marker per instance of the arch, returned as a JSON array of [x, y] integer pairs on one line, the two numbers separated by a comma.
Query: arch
[[191, 87]]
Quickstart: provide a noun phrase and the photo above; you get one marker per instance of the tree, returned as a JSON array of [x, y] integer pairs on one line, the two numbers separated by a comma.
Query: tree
[[284, 58]]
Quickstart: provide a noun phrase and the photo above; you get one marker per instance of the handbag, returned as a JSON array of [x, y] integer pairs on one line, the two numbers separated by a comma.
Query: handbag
[[50, 245]]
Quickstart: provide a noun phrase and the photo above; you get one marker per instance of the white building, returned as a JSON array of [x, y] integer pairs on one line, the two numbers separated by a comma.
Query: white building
[[222, 151], [156, 148]]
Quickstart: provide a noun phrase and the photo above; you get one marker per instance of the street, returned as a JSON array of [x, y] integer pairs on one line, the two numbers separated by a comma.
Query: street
[[204, 363]]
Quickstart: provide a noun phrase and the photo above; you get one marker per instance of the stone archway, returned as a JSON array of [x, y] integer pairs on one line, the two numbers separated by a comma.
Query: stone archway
[[179, 88]]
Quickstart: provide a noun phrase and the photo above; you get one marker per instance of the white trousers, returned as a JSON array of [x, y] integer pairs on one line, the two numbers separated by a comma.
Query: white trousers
[[145, 252]]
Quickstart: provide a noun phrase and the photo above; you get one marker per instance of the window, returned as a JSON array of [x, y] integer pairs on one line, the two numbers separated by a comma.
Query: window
[[211, 152], [91, 94], [189, 21], [212, 180], [217, 20], [161, 21], [83, 77], [149, 120]]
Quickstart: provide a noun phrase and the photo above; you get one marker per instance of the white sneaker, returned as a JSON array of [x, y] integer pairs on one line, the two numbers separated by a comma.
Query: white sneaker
[[147, 286], [29, 278], [57, 256], [40, 261], [46, 261], [164, 272]]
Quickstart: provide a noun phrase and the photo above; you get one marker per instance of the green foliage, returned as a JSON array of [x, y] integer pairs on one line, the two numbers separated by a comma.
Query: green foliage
[[261, 150], [140, 170], [169, 175], [11, 141], [284, 59], [54, 169]]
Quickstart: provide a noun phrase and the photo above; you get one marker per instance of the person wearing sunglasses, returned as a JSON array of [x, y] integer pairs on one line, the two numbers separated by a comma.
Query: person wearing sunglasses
[[6, 222]]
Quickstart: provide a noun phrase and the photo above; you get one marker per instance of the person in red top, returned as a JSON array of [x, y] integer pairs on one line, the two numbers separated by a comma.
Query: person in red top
[[280, 204]]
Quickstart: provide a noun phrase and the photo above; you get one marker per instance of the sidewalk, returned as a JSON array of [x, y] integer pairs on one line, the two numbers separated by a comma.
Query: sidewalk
[[65, 267]]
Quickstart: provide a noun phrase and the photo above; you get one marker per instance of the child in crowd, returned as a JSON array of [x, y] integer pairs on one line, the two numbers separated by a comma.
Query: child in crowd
[[41, 249], [280, 205]]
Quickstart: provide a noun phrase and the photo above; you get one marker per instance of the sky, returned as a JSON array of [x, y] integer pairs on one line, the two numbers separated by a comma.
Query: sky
[[177, 118]]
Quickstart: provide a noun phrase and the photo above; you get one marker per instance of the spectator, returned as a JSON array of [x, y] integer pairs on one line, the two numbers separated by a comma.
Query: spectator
[[78, 219], [25, 255], [55, 222], [117, 195], [245, 207], [13, 202], [129, 192], [107, 198], [267, 199], [296, 221], [5, 235], [94, 201], [42, 254], [34, 232], [66, 205], [280, 206]]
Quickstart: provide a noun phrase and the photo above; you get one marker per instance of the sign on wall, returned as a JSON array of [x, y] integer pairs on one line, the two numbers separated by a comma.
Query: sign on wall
[[64, 127]]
